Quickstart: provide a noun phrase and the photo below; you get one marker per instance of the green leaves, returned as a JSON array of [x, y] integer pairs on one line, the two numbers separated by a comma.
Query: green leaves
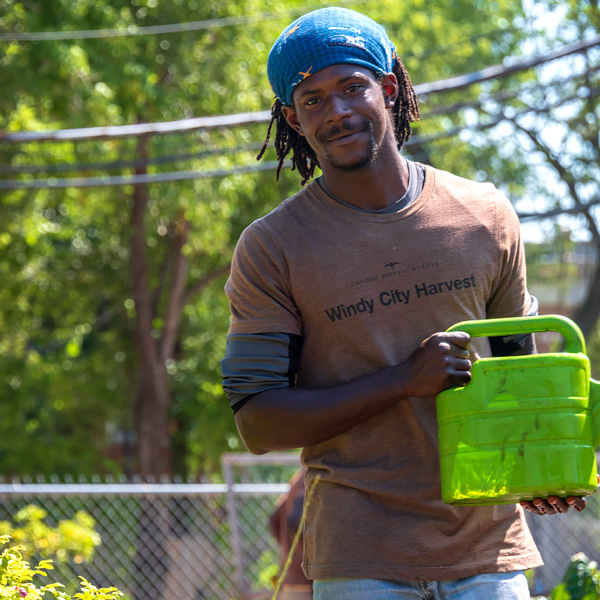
[[69, 358], [17, 579], [580, 582], [71, 538]]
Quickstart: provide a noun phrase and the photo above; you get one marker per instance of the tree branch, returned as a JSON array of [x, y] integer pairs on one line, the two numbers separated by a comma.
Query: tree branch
[[139, 269], [175, 302], [565, 176], [202, 283], [162, 277]]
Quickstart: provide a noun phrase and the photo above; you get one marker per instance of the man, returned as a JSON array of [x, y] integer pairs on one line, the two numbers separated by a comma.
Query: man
[[340, 298]]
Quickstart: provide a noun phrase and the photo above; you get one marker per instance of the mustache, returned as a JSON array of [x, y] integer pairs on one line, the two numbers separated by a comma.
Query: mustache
[[343, 128]]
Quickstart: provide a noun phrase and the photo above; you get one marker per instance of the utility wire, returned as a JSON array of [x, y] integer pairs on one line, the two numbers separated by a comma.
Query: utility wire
[[103, 181], [417, 140], [444, 85], [117, 131], [135, 30], [171, 158], [267, 166], [132, 30], [122, 164], [127, 164], [77, 182], [506, 94], [455, 83]]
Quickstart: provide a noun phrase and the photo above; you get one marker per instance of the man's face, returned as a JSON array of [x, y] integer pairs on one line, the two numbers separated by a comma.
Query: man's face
[[342, 112]]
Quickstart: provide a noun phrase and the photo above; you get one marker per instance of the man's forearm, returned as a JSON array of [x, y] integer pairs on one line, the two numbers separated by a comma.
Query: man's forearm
[[285, 418]]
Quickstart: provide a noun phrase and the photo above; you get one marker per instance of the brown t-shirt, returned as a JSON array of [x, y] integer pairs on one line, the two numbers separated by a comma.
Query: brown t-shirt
[[364, 290]]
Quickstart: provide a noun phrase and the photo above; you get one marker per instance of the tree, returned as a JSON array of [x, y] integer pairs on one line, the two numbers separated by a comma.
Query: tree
[[115, 315], [549, 133], [113, 264]]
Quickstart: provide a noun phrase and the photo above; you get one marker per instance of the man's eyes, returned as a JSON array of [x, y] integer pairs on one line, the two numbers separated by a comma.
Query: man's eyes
[[355, 87], [312, 101]]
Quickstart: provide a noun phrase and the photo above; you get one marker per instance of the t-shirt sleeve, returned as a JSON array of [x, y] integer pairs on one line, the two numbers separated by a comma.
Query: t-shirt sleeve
[[509, 296], [258, 287], [257, 362]]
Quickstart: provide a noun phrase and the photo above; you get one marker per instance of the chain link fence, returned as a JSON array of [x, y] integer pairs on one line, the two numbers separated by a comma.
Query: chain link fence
[[196, 541]]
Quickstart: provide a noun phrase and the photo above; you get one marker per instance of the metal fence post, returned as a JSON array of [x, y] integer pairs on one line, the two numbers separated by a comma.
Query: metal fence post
[[234, 524]]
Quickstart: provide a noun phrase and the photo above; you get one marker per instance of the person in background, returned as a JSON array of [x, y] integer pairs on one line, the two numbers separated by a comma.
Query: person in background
[[340, 300], [284, 522]]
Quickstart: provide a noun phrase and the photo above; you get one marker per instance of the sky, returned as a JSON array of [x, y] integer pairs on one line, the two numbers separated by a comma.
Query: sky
[[553, 24]]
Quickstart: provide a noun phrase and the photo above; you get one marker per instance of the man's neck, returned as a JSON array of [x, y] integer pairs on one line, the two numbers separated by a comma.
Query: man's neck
[[373, 187]]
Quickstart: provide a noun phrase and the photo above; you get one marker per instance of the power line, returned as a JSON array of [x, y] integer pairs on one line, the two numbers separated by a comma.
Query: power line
[[455, 83], [102, 181], [505, 94], [55, 183], [267, 166], [593, 92], [133, 30], [126, 164], [117, 131], [168, 127], [252, 146]]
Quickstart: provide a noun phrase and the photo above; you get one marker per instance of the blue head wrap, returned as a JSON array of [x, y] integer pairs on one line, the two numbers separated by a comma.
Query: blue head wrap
[[326, 37]]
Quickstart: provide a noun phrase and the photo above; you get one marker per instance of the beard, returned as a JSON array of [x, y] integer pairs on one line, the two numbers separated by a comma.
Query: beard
[[367, 157]]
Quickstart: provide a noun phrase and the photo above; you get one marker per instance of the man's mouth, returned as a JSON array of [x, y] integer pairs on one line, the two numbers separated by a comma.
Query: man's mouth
[[344, 135]]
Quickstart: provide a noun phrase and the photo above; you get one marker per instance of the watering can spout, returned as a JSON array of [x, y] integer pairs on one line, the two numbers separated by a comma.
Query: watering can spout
[[595, 405]]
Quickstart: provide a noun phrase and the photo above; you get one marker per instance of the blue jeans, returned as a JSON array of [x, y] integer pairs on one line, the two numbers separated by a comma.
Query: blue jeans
[[492, 586]]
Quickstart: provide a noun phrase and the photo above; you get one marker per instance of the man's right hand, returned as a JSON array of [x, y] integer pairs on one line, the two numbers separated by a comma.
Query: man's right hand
[[440, 362]]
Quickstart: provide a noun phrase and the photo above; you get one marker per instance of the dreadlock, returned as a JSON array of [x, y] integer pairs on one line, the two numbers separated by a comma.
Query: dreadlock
[[404, 112], [287, 139], [406, 108]]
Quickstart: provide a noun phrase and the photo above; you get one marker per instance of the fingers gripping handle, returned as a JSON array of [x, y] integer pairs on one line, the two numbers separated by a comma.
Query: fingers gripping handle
[[574, 340]]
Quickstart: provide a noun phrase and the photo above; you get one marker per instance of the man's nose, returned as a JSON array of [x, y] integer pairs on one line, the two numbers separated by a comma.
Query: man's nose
[[337, 107]]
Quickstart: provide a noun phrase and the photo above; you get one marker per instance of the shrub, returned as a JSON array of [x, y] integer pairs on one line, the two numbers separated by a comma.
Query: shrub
[[580, 582], [70, 538], [16, 579]]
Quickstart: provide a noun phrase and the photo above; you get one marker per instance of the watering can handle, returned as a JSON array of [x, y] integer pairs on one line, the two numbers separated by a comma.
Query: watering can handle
[[574, 340]]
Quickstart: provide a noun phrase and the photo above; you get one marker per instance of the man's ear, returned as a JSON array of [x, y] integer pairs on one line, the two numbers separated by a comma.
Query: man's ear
[[291, 117], [389, 87]]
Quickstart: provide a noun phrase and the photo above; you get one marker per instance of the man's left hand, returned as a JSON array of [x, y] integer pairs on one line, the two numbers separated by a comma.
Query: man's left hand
[[553, 505]]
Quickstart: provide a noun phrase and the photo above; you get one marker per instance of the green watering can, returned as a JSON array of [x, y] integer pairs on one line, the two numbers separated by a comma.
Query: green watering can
[[524, 427]]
